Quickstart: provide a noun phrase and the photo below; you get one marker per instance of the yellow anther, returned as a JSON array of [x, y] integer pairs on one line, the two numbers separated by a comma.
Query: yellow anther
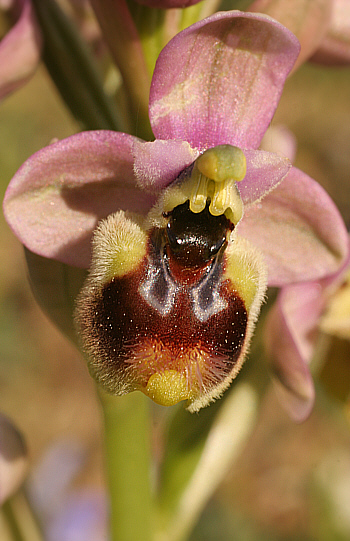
[[221, 163], [221, 198], [212, 180], [218, 169], [199, 193]]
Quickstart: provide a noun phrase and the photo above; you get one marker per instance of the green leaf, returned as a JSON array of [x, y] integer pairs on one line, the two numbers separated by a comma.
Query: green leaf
[[73, 70]]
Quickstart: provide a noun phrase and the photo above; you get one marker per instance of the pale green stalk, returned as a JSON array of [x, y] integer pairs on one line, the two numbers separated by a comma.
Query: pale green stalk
[[128, 466], [72, 67], [122, 37]]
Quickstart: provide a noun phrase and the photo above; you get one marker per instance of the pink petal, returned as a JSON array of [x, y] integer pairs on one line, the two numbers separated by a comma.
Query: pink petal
[[265, 170], [335, 48], [20, 49], [159, 162], [299, 230], [55, 200], [219, 81], [291, 332], [307, 19]]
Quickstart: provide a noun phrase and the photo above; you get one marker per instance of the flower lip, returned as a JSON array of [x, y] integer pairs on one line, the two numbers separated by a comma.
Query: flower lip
[[175, 322]]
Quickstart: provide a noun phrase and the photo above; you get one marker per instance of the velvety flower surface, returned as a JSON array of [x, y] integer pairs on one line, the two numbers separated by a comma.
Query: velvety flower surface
[[293, 327], [20, 48], [215, 86]]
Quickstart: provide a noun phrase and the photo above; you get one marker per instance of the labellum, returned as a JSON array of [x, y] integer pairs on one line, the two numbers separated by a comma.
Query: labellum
[[171, 300]]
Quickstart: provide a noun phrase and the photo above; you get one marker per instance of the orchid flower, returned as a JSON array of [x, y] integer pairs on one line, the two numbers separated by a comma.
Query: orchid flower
[[293, 326], [20, 48], [190, 224]]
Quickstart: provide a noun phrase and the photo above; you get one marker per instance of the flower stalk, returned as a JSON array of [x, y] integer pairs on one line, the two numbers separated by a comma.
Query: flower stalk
[[224, 444], [123, 39], [127, 452]]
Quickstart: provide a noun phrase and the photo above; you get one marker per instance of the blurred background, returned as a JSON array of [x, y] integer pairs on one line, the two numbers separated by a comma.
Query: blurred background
[[293, 481]]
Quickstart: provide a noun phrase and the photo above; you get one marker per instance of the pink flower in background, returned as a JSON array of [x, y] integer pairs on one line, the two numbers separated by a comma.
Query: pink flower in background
[[322, 27], [292, 330], [66, 510], [334, 49], [216, 86], [20, 48]]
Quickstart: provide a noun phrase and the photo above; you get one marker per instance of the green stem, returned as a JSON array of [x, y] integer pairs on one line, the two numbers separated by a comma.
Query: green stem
[[127, 448], [123, 39], [190, 15], [149, 23], [73, 70]]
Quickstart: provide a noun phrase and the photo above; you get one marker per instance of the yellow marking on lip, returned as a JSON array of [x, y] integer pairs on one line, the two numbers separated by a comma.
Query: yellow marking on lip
[[120, 244], [167, 388]]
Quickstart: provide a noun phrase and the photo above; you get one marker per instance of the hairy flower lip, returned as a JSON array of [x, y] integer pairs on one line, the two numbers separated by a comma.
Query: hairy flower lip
[[175, 328], [143, 328]]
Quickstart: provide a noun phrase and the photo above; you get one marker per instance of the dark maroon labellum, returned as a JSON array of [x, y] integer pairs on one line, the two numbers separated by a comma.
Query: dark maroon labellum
[[175, 312]]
